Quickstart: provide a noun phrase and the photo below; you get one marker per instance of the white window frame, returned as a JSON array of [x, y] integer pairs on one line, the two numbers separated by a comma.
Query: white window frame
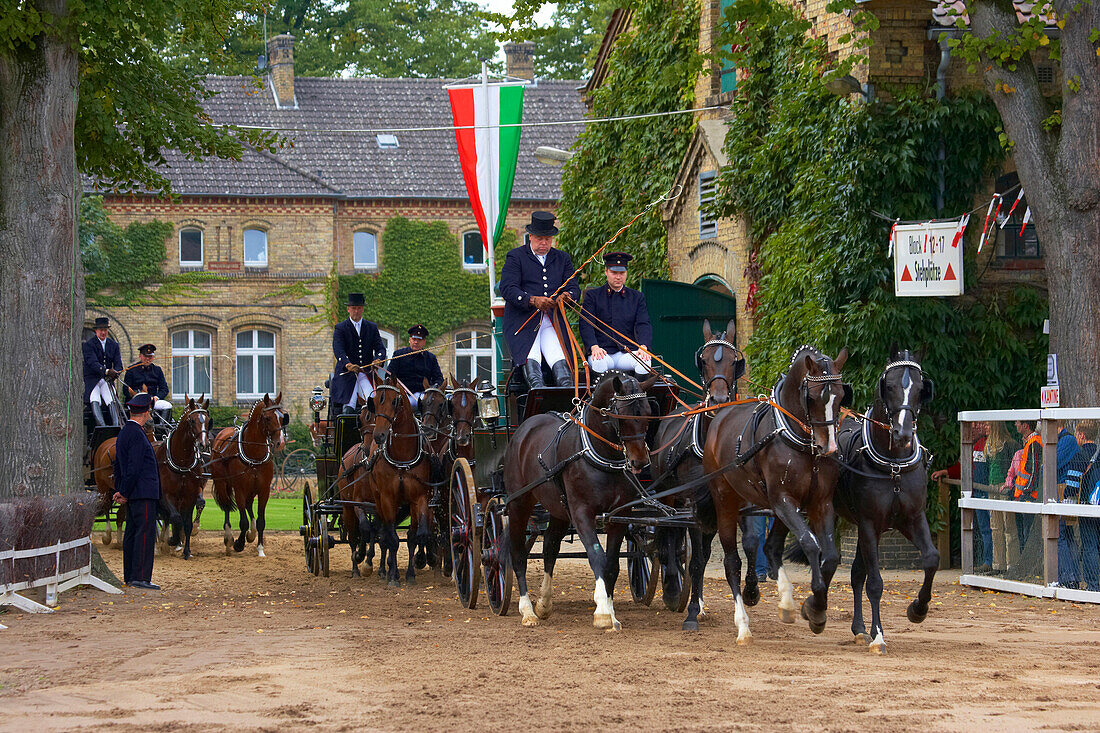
[[465, 349], [190, 352], [708, 228], [254, 352], [244, 248], [202, 247], [475, 267], [389, 340], [355, 253]]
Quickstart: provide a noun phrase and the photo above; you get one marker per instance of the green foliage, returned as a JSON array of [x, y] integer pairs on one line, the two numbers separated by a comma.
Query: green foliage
[[808, 170], [619, 167], [421, 280], [567, 49]]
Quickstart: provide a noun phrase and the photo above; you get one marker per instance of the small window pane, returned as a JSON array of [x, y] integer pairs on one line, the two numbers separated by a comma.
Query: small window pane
[[473, 252], [255, 247], [482, 340], [265, 339], [179, 373], [202, 339], [179, 339], [190, 246], [244, 339], [366, 249], [266, 377], [244, 375], [202, 375], [462, 367], [484, 366]]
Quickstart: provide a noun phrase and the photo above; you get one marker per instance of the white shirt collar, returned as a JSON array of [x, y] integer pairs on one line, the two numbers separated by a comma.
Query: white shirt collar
[[358, 324], [540, 258], [102, 342]]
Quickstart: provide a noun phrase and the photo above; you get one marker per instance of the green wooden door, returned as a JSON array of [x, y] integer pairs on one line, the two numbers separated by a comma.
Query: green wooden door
[[677, 311]]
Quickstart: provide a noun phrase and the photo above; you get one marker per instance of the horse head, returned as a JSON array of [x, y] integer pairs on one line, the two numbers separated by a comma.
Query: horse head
[[433, 409], [813, 392], [720, 363], [902, 391], [386, 403], [623, 401], [195, 420], [273, 419], [463, 408]]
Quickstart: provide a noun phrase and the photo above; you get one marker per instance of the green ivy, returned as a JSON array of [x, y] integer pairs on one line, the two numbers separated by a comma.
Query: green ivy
[[808, 171], [619, 167]]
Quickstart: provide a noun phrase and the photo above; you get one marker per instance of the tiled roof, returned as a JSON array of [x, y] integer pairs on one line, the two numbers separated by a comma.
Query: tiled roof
[[947, 12], [321, 162]]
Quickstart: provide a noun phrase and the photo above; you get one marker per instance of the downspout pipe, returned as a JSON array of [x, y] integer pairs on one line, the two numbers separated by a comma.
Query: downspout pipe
[[941, 92]]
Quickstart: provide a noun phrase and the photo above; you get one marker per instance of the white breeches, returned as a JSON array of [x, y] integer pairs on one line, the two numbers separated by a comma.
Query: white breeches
[[622, 360], [414, 398], [101, 393], [363, 388], [546, 348]]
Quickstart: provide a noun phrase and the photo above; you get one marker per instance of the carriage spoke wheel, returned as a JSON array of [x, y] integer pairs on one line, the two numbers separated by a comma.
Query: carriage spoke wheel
[[496, 566], [676, 585], [323, 542], [462, 533], [294, 466], [642, 570], [306, 529]]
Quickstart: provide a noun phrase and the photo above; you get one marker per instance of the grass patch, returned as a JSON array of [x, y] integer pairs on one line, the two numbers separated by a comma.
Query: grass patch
[[282, 514]]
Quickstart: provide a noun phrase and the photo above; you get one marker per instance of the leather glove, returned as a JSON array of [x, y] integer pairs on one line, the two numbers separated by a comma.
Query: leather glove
[[354, 368], [112, 374]]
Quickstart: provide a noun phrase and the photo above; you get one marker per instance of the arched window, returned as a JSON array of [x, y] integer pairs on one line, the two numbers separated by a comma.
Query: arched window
[[473, 251], [255, 248], [474, 356], [191, 357], [190, 247], [366, 251], [255, 363]]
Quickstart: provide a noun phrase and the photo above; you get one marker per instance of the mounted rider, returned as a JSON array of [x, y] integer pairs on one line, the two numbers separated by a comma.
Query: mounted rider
[[420, 364], [356, 342], [102, 364], [529, 280], [144, 375], [612, 308]]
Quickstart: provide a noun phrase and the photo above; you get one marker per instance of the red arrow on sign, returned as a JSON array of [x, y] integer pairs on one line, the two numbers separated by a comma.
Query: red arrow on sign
[[905, 276], [950, 274]]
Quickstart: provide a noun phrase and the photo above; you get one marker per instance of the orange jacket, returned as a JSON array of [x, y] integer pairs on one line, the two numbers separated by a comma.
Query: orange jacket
[[1029, 470]]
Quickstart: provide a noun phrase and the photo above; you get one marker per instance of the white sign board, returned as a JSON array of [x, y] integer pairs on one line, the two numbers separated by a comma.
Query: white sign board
[[1052, 369], [928, 259], [1049, 396]]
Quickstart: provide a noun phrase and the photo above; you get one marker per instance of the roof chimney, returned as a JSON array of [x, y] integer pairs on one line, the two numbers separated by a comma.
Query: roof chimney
[[520, 59], [280, 60]]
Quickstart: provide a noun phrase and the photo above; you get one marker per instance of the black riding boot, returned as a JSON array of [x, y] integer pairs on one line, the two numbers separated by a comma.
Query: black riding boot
[[533, 371], [562, 376], [97, 413], [350, 409]]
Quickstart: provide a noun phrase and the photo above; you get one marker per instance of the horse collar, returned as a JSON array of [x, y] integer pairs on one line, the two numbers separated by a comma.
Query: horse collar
[[784, 427], [240, 449], [590, 451], [893, 466]]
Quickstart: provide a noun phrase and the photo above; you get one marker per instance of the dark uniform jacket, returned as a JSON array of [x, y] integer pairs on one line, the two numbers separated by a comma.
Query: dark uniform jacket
[[97, 361], [136, 472], [149, 375], [1083, 476], [355, 348], [523, 276], [412, 370], [625, 311]]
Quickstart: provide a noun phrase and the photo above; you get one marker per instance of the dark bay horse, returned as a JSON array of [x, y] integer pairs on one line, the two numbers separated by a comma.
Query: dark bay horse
[[583, 475], [448, 427], [180, 458], [884, 485], [399, 476], [679, 449], [776, 458], [242, 465], [352, 485]]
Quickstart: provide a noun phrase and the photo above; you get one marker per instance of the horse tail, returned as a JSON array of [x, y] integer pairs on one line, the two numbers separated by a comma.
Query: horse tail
[[224, 497]]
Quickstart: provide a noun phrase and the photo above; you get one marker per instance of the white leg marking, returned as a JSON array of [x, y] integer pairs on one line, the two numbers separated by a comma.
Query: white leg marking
[[604, 618], [527, 612], [702, 608], [878, 645], [545, 604], [260, 550], [786, 597], [741, 617]]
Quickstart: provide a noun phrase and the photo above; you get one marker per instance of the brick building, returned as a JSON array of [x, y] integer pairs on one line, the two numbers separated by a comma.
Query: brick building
[[269, 228]]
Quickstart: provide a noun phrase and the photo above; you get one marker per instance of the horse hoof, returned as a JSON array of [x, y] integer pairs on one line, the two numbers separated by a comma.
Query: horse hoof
[[543, 610], [260, 551], [878, 649], [751, 594], [368, 571], [861, 639], [602, 620], [915, 616], [786, 615], [410, 581], [530, 620], [817, 625], [690, 626], [106, 540], [744, 640], [187, 556]]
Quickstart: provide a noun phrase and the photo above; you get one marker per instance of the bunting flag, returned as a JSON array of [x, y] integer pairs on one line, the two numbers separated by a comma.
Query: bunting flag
[[487, 152], [890, 242], [1019, 198], [1027, 218], [997, 199], [960, 229]]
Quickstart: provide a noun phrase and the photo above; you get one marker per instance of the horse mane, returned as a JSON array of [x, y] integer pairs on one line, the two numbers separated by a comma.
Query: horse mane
[[805, 350], [605, 388]]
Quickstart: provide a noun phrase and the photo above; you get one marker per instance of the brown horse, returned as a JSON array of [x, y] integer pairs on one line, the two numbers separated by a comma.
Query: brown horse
[[242, 465], [103, 470], [353, 485], [182, 479], [576, 477], [399, 476], [768, 459]]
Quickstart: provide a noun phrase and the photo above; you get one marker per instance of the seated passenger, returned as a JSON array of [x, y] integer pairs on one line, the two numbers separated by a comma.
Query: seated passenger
[[413, 364], [623, 310]]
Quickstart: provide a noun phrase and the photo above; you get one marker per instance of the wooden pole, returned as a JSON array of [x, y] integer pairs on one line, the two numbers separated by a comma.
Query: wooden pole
[[966, 488], [1048, 430]]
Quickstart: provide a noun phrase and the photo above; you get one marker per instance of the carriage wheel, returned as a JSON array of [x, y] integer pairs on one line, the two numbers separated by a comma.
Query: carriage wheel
[[324, 542], [496, 566], [641, 569], [294, 466], [309, 522], [462, 533], [676, 586]]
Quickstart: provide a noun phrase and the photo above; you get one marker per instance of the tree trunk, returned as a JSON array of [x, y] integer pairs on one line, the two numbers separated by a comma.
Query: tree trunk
[[41, 279], [1060, 174]]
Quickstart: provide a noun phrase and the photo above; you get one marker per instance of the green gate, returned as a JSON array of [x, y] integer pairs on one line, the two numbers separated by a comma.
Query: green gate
[[677, 311]]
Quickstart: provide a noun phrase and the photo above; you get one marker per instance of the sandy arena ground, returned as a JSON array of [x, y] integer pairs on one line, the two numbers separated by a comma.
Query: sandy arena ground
[[259, 645]]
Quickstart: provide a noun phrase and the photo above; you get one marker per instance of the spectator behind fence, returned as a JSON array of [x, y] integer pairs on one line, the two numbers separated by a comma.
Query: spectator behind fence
[[980, 483], [1083, 487], [1024, 475], [1000, 447]]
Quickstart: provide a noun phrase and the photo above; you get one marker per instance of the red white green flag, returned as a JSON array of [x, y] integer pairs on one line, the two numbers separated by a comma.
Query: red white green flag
[[487, 151]]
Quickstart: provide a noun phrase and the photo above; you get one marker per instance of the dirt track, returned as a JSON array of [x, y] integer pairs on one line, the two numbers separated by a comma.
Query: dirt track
[[257, 644]]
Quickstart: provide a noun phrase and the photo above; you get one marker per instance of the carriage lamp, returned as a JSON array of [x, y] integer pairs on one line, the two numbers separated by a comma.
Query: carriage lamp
[[488, 408], [317, 402]]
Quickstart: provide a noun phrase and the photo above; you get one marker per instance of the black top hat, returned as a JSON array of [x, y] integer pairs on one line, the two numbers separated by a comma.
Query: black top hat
[[419, 331], [542, 224], [356, 299], [102, 322], [616, 261], [147, 349], [140, 402]]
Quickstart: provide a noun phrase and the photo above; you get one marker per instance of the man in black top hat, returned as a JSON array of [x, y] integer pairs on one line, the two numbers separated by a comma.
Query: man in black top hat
[[531, 276], [625, 311], [147, 376], [137, 485], [419, 365], [102, 363], [356, 343]]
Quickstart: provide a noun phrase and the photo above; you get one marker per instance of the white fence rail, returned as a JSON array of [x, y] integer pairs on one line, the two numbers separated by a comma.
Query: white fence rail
[[54, 583]]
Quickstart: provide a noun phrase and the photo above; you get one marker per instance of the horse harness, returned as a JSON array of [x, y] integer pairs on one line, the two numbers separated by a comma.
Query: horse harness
[[738, 369], [168, 447]]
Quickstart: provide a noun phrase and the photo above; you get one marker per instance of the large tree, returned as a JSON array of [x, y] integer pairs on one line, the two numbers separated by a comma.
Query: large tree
[[84, 88]]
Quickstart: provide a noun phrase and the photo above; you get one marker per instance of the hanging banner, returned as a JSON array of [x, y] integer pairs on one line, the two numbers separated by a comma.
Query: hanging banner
[[928, 258]]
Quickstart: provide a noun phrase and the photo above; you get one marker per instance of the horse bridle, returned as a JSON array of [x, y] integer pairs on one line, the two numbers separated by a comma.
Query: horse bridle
[[804, 393], [900, 364], [462, 421], [738, 369], [168, 444], [385, 448], [618, 416]]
